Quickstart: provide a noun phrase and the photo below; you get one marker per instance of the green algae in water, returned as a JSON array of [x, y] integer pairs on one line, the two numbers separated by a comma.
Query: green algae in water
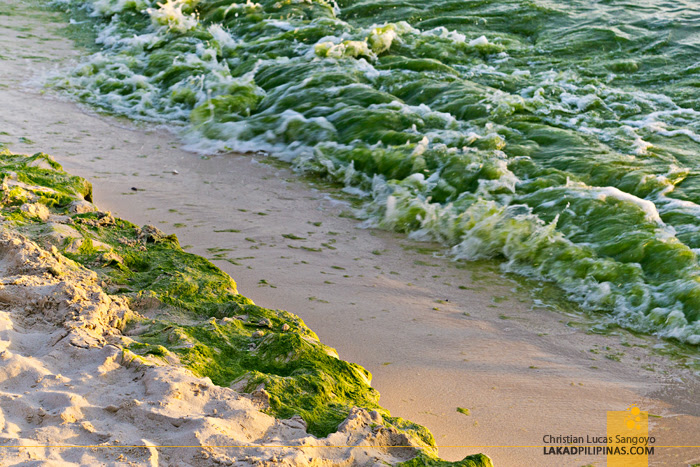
[[187, 307], [561, 138]]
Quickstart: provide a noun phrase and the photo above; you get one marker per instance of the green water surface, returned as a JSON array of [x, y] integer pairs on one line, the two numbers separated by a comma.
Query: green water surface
[[562, 137]]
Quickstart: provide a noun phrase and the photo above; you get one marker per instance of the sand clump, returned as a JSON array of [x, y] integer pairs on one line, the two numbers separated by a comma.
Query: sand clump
[[65, 380]]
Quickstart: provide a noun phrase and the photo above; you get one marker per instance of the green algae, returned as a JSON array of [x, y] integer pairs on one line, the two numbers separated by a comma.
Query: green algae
[[515, 131], [477, 460], [293, 236], [42, 170], [186, 308], [301, 375]]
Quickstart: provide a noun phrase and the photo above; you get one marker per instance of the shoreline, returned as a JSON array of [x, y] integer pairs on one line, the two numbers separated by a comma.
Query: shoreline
[[416, 353]]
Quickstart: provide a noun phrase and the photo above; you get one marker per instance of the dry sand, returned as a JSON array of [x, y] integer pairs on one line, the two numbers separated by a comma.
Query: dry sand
[[431, 345]]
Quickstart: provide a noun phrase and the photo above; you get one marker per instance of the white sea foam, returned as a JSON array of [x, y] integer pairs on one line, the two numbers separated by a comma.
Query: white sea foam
[[481, 40], [487, 219]]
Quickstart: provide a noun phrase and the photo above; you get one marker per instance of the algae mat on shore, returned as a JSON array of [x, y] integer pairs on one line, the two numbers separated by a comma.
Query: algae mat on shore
[[187, 311]]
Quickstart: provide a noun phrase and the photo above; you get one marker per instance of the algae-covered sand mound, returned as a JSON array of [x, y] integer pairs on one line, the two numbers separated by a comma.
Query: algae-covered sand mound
[[113, 337]]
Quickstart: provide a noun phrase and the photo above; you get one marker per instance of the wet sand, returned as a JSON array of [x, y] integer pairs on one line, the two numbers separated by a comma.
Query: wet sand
[[436, 335]]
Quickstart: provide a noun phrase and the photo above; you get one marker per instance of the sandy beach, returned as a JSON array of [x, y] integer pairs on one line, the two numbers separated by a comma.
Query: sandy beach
[[436, 335]]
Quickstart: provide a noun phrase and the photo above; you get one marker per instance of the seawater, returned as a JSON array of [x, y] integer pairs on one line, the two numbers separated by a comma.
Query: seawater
[[562, 137]]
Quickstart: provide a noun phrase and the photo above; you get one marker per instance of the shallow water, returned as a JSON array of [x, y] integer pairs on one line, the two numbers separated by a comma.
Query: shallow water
[[560, 136]]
